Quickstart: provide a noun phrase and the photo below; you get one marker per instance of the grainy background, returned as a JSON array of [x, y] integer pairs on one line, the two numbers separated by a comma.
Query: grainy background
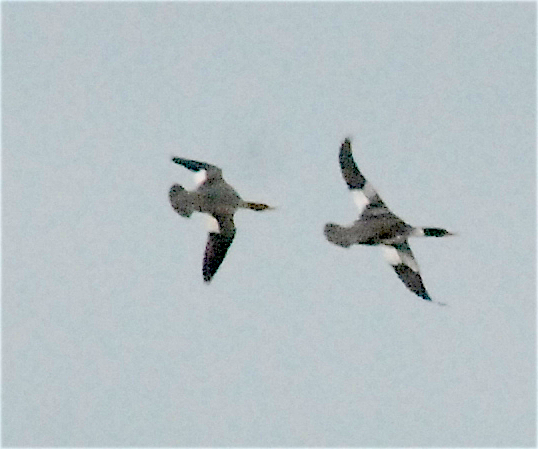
[[110, 337]]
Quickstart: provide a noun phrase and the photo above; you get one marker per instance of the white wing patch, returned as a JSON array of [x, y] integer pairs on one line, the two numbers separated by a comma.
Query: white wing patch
[[391, 255], [409, 261], [395, 257], [200, 177], [363, 197], [212, 224], [368, 190], [360, 199]]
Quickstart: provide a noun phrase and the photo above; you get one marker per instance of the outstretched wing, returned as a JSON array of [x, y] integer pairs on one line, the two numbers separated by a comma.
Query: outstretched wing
[[203, 169], [364, 194], [217, 245], [402, 260], [193, 165]]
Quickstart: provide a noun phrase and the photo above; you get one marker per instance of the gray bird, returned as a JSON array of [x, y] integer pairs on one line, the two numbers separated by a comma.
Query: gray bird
[[377, 225], [214, 196]]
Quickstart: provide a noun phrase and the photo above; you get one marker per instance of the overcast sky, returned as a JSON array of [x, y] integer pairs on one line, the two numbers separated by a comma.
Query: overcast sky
[[111, 338]]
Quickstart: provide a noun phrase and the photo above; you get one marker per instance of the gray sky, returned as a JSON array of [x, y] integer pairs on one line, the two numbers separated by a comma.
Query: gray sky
[[110, 337]]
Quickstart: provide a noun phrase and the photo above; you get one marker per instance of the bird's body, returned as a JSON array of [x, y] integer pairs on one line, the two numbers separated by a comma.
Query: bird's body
[[377, 225], [214, 196]]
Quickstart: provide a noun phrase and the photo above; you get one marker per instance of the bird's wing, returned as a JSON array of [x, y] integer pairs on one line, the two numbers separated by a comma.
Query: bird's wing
[[217, 245], [402, 260], [193, 165], [203, 169], [366, 198]]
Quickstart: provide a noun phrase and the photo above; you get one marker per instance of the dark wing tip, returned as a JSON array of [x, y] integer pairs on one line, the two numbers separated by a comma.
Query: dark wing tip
[[345, 148], [425, 296], [193, 165], [215, 251], [348, 167], [412, 280]]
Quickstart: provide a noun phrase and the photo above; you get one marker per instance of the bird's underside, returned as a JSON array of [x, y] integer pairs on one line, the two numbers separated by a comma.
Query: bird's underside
[[376, 225], [215, 197]]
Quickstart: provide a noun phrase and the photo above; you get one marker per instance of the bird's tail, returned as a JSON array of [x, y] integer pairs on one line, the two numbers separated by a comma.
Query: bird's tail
[[181, 200], [339, 235]]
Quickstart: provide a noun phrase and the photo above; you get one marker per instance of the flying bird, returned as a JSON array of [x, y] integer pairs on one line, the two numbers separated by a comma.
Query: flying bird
[[213, 196], [377, 225]]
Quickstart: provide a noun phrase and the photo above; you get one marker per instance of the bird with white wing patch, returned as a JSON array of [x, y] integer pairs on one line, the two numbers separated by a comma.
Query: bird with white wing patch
[[377, 225], [215, 197]]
